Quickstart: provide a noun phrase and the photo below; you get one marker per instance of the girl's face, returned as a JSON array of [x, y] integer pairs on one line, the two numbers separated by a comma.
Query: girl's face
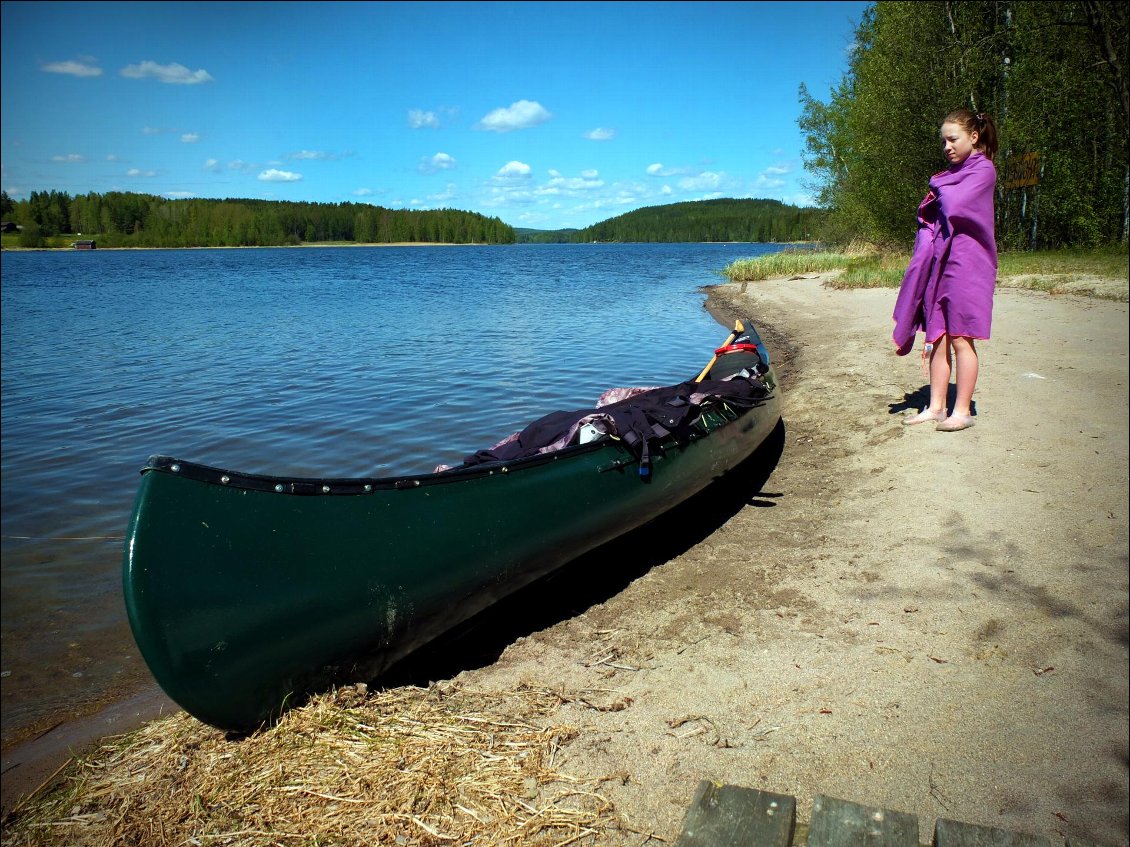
[[957, 144]]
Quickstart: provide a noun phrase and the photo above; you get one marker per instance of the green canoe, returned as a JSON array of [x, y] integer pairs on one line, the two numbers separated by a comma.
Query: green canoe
[[247, 592]]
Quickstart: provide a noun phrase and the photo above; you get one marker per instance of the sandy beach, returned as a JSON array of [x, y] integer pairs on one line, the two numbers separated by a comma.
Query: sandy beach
[[934, 623]]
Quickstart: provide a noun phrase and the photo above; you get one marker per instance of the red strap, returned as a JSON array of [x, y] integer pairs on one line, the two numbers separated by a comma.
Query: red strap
[[736, 348]]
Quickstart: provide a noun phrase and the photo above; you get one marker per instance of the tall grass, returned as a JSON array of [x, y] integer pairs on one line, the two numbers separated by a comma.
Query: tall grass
[[859, 268], [882, 270], [782, 265], [1103, 262], [1101, 272], [11, 241]]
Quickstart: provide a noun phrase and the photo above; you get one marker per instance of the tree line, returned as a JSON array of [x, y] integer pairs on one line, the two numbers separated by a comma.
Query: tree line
[[1052, 75], [122, 219], [707, 220]]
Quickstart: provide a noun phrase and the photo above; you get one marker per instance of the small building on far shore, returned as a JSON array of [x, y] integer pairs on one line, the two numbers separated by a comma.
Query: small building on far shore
[[84, 245], [9, 226]]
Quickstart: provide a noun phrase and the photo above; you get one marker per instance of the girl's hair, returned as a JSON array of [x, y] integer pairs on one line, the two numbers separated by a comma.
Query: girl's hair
[[980, 123]]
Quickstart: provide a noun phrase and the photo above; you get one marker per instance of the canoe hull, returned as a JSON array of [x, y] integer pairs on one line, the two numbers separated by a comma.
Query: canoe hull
[[244, 593]]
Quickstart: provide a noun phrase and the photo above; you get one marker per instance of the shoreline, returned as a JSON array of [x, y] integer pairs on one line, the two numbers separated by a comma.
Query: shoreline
[[31, 764], [324, 244], [259, 246], [960, 655]]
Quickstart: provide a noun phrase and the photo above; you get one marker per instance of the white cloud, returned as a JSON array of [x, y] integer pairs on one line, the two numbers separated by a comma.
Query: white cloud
[[513, 170], [190, 137], [508, 196], [419, 119], [702, 182], [215, 166], [172, 74], [83, 68], [363, 192], [520, 115], [558, 184], [313, 155], [178, 195], [151, 130], [512, 185], [600, 134], [70, 158], [436, 163], [763, 182], [275, 175], [110, 157], [139, 172], [778, 170], [692, 180], [444, 198]]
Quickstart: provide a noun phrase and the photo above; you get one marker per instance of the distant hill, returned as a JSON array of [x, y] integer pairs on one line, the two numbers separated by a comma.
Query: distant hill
[[544, 236], [709, 220], [693, 221]]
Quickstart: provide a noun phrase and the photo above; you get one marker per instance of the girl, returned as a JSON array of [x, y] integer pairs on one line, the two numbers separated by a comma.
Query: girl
[[947, 291]]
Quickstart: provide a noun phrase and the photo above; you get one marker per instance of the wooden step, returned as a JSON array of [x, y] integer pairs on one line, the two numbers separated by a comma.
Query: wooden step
[[732, 816]]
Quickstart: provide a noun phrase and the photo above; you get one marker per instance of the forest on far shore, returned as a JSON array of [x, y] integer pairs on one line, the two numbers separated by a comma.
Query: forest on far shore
[[719, 220], [120, 219], [123, 219]]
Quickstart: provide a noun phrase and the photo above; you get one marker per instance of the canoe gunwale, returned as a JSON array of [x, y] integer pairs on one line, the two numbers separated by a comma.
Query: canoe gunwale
[[712, 417], [328, 486]]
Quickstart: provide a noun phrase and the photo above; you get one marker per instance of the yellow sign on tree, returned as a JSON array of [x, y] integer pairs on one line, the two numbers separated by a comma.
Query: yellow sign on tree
[[1021, 170]]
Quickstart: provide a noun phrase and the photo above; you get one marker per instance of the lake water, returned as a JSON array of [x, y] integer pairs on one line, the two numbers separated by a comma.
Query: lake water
[[348, 361]]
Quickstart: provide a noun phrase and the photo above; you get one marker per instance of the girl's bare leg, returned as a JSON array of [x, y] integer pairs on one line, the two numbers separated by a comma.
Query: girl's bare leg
[[965, 361], [940, 374], [965, 355], [939, 366]]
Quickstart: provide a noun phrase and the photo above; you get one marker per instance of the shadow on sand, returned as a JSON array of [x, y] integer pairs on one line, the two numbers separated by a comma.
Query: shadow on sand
[[914, 401], [593, 578]]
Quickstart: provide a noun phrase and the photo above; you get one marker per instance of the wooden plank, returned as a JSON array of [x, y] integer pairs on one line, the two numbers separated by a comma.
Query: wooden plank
[[732, 816], [841, 823], [949, 833]]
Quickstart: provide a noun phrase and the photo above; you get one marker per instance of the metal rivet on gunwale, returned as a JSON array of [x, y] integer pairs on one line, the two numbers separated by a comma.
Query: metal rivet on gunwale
[[225, 479], [174, 468], [280, 488], [325, 489], [368, 488]]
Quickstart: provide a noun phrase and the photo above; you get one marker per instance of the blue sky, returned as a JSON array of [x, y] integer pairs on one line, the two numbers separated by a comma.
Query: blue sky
[[545, 115]]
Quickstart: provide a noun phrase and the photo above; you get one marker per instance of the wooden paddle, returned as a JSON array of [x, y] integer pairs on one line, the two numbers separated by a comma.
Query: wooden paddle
[[739, 328]]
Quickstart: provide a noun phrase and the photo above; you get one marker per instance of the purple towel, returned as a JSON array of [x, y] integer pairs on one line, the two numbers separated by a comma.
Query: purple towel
[[948, 286]]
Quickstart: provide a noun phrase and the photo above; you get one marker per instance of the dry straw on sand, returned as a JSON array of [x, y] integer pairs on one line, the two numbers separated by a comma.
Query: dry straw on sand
[[407, 766]]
